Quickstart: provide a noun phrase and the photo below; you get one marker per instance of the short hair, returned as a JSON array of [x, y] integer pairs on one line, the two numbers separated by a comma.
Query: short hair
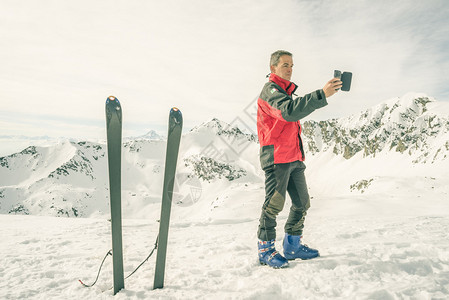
[[276, 56]]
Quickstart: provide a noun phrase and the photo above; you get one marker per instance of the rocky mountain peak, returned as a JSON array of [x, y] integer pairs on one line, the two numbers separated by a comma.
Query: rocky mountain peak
[[405, 125]]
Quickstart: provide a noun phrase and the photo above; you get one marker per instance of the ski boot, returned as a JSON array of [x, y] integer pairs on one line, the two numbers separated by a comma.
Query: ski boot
[[269, 256], [293, 248]]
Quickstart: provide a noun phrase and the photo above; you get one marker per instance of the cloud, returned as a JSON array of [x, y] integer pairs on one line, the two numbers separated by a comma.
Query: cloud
[[210, 58]]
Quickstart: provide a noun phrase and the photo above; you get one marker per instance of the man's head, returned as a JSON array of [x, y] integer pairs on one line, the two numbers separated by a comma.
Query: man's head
[[281, 64]]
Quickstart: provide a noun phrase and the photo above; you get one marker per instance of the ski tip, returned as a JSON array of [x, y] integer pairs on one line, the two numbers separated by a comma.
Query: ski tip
[[175, 112], [113, 100], [175, 116]]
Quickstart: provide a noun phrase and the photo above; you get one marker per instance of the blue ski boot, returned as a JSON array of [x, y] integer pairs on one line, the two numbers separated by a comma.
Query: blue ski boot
[[293, 248], [269, 256]]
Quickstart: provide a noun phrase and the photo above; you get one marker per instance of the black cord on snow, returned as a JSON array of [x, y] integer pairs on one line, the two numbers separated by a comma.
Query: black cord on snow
[[98, 275], [110, 253], [148, 257]]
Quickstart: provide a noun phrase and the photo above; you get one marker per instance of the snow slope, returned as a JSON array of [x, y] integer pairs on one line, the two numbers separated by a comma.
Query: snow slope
[[379, 215], [366, 254]]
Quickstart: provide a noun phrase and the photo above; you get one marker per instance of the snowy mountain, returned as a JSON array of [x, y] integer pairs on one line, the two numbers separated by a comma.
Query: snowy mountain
[[411, 125], [150, 135], [70, 178]]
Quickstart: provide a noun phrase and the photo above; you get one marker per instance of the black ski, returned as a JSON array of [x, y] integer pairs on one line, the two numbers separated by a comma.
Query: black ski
[[114, 141], [171, 158]]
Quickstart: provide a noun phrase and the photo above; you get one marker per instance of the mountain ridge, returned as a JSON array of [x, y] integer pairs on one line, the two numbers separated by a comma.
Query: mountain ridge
[[403, 124], [70, 178]]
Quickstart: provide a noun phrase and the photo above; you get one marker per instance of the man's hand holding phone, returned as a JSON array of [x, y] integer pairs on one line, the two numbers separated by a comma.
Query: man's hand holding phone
[[332, 86], [340, 81]]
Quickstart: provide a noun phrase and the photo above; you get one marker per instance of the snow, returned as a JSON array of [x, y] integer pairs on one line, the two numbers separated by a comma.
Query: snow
[[367, 251], [380, 221], [391, 244]]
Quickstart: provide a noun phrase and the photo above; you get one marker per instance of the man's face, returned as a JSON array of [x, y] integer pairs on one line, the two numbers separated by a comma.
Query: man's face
[[284, 68]]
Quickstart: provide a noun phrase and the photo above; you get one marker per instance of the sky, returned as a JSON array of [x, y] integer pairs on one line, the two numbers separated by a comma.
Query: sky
[[60, 60]]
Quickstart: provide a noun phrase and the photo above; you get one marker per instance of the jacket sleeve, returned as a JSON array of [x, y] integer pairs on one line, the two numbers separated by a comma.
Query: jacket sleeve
[[289, 109]]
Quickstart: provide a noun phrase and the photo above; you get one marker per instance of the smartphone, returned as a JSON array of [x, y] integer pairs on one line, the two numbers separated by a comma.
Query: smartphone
[[346, 78], [337, 74]]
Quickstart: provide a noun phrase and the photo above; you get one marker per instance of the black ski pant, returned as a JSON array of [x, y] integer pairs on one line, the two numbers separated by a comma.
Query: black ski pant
[[279, 179]]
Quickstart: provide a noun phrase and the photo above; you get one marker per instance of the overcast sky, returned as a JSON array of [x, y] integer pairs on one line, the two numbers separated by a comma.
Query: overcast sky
[[60, 60]]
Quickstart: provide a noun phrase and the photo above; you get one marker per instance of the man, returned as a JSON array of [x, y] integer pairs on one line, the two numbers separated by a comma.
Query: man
[[282, 156]]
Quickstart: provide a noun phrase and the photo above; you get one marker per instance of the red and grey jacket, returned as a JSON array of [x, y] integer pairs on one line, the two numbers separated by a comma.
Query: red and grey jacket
[[278, 115]]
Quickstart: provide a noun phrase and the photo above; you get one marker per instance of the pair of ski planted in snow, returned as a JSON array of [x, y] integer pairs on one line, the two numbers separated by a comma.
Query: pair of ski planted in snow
[[114, 144]]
